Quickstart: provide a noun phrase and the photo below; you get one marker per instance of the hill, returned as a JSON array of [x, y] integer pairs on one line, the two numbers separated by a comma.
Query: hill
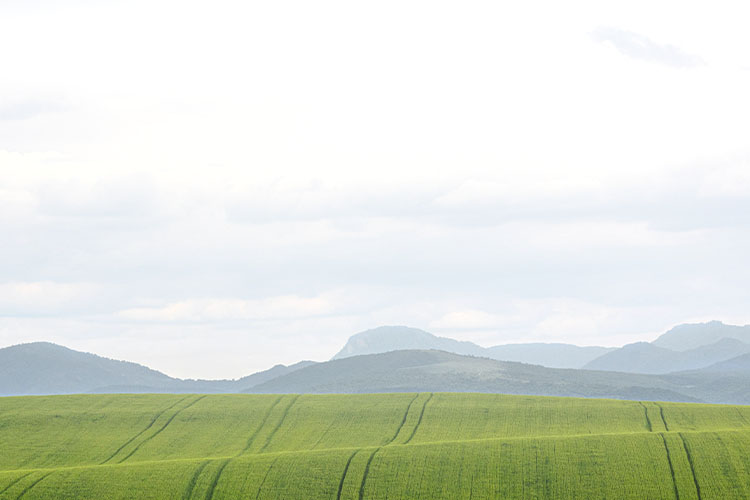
[[49, 369], [643, 357], [351, 447], [404, 371], [46, 368], [737, 365], [691, 336], [394, 338]]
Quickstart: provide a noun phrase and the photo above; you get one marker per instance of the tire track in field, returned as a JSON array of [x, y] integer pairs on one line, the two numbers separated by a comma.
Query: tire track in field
[[343, 476], [152, 436], [403, 420], [692, 466], [323, 434], [281, 421], [153, 420], [14, 482], [194, 479], [664, 420], [419, 421], [671, 467], [367, 471], [28, 488], [265, 476], [215, 481], [744, 420], [252, 437], [648, 420]]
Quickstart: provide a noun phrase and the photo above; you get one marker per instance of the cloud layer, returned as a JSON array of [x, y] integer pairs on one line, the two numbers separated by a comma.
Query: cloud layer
[[212, 205]]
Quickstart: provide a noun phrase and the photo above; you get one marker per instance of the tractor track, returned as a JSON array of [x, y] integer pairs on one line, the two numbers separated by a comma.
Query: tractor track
[[692, 465], [252, 437], [419, 421], [14, 482], [160, 429], [29, 487], [364, 475], [265, 476], [194, 479], [153, 421], [648, 420], [661, 413], [215, 481], [343, 476], [403, 420], [671, 467], [281, 421]]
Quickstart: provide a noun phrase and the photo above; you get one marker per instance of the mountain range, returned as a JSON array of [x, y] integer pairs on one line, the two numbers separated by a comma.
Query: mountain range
[[396, 359], [395, 338]]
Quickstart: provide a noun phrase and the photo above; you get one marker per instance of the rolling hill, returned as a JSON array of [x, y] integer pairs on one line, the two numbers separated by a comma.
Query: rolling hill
[[375, 446]]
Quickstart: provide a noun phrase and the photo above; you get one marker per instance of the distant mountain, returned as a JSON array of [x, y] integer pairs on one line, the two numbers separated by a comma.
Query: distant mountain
[[413, 370], [271, 373], [692, 336], [640, 357], [739, 365], [393, 338], [643, 357], [549, 355], [46, 368]]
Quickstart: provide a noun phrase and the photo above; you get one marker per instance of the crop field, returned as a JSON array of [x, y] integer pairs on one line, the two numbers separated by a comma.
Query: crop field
[[389, 446]]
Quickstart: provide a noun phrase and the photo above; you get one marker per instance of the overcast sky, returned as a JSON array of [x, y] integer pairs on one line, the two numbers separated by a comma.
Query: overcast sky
[[210, 188]]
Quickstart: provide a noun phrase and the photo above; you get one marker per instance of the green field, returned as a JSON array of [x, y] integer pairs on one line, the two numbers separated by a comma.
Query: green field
[[394, 446]]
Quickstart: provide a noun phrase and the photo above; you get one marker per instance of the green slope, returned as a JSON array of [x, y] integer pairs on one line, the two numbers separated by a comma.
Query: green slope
[[404, 445]]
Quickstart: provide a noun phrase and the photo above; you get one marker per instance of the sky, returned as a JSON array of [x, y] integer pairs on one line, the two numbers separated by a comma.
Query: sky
[[211, 188]]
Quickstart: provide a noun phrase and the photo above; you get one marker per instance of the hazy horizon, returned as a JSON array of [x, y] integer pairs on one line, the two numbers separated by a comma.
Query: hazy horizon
[[211, 191]]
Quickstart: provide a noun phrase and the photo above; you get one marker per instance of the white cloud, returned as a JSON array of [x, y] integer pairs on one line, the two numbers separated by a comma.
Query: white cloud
[[479, 169], [43, 298], [641, 47], [287, 307]]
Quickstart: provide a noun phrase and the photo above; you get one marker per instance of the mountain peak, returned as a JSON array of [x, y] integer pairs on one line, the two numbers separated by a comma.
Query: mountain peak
[[399, 337], [693, 335]]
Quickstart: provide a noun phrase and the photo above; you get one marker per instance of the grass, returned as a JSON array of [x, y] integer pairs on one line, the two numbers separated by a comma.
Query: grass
[[395, 446]]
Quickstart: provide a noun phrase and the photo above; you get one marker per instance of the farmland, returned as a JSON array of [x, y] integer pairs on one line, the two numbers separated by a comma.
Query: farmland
[[423, 445]]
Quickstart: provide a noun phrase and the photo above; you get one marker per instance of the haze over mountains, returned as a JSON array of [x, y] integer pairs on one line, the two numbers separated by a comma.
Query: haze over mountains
[[395, 359], [393, 338], [46, 368]]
